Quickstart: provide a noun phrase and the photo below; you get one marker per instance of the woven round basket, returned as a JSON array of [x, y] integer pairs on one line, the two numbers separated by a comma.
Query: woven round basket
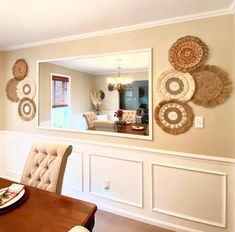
[[174, 117], [11, 90], [20, 69], [187, 53], [213, 86], [26, 109], [173, 84], [26, 88]]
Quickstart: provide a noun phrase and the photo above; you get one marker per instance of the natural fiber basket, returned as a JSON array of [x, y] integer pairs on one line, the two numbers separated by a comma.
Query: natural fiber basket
[[174, 117], [213, 86], [187, 53]]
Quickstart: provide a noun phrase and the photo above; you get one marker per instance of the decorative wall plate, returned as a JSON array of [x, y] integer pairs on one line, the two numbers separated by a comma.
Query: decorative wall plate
[[173, 84], [26, 109], [187, 53], [20, 69], [174, 117], [11, 90], [213, 86], [26, 88]]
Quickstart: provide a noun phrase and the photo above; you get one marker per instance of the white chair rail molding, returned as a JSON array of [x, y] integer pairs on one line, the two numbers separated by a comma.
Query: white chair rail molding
[[179, 191]]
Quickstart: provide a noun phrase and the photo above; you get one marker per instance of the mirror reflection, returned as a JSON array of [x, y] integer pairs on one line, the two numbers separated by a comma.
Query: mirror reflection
[[97, 94]]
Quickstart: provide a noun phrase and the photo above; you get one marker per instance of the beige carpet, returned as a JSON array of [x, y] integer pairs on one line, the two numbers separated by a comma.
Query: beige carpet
[[108, 222]]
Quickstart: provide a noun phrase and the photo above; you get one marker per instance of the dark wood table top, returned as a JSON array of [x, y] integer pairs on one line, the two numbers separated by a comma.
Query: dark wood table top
[[47, 212], [127, 128]]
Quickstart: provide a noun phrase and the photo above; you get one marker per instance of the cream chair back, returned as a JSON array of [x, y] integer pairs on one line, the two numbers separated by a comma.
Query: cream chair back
[[45, 166], [129, 116], [90, 118]]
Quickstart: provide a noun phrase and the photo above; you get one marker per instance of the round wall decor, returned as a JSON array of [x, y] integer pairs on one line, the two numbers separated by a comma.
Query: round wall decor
[[26, 88], [213, 86], [20, 69], [11, 90], [26, 109], [187, 53], [173, 84], [174, 117]]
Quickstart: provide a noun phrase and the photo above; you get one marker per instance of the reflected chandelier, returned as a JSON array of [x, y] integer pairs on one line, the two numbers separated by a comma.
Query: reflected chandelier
[[119, 83]]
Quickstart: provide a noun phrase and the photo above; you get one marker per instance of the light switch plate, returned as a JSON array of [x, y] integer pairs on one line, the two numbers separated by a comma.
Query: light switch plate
[[199, 122]]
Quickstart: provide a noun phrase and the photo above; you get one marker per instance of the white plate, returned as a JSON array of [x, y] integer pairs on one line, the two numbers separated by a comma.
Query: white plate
[[137, 128], [15, 199]]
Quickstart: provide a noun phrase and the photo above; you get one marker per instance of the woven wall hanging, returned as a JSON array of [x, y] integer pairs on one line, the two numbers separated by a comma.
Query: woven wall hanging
[[174, 117], [26, 88], [26, 109], [213, 86], [11, 90], [187, 53], [173, 84], [20, 69]]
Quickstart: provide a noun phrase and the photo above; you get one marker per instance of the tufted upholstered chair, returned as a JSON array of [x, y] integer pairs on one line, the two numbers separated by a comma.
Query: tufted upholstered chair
[[45, 166], [90, 118], [105, 125], [129, 116]]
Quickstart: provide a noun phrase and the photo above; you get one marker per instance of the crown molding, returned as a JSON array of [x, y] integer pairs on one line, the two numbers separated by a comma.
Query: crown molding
[[140, 26]]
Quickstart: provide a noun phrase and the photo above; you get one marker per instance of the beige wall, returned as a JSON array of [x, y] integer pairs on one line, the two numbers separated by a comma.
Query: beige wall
[[218, 136], [81, 86], [2, 88], [111, 101]]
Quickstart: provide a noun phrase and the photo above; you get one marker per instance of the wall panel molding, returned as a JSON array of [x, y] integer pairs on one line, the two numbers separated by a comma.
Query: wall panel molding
[[107, 195], [186, 171], [148, 173], [73, 180]]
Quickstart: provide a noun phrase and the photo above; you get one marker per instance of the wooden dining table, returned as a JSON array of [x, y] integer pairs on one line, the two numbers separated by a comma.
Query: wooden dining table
[[45, 211], [128, 128]]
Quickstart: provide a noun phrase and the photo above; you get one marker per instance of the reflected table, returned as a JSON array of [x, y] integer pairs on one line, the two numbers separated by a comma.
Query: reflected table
[[46, 212], [140, 128]]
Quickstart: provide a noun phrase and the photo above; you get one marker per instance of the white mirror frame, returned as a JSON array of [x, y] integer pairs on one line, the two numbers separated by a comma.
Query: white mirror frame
[[104, 133]]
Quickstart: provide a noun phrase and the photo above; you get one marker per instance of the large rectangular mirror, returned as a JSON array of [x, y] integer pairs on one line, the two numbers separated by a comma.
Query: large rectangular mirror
[[109, 94]]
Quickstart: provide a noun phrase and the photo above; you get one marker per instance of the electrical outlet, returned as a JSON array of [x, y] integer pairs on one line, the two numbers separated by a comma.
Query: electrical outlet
[[106, 185], [199, 122]]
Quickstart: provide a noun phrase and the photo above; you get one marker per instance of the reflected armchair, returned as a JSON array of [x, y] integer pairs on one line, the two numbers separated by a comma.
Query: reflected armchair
[[90, 118], [105, 125], [129, 116]]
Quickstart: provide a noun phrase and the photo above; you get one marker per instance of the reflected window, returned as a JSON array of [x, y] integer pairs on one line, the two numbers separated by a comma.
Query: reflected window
[[60, 101], [129, 94]]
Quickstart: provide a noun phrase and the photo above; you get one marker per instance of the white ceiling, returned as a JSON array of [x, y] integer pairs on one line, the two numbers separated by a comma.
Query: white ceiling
[[138, 61], [30, 22]]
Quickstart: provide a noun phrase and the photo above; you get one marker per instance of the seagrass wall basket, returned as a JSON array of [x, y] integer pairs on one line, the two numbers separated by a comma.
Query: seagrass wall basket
[[20, 69], [213, 86], [173, 84], [187, 53], [174, 117], [21, 89]]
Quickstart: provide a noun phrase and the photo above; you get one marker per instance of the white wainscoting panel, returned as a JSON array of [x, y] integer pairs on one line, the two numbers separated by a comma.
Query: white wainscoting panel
[[123, 175], [194, 194], [17, 154], [179, 191], [73, 177]]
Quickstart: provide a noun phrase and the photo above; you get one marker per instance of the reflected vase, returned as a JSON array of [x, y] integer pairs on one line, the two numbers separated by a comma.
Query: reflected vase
[[120, 119]]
